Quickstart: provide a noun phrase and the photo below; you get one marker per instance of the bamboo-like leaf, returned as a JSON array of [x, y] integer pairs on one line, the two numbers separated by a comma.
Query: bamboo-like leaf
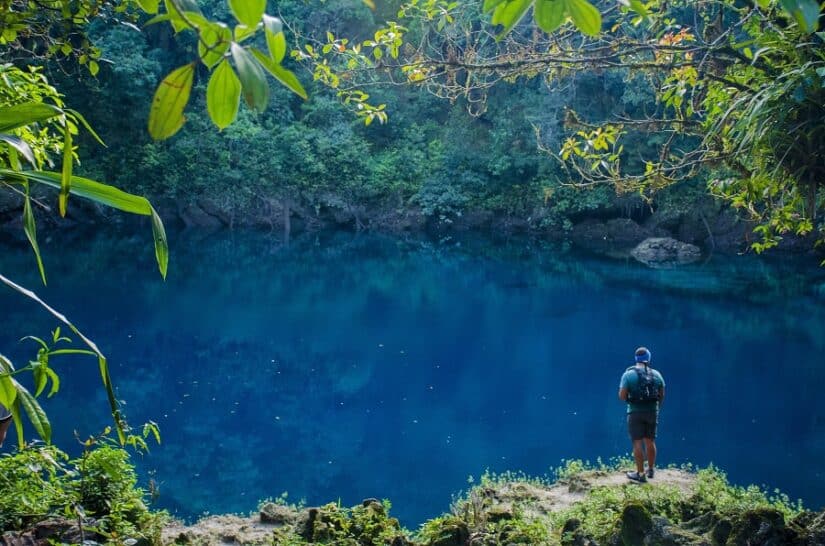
[[79, 117], [102, 364], [248, 12], [19, 115], [106, 195], [509, 14], [66, 173], [30, 229], [20, 145], [223, 95], [549, 14], [36, 414], [166, 114], [286, 77], [585, 16], [253, 80], [161, 244]]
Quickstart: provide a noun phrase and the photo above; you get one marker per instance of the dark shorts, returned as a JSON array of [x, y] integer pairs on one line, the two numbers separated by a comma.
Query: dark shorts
[[642, 424]]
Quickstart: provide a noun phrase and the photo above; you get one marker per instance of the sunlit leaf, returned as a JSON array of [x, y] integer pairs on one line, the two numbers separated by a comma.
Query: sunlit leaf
[[248, 12], [223, 95], [286, 77], [509, 14], [549, 14], [213, 43], [585, 16], [19, 115], [253, 80], [166, 113], [149, 6]]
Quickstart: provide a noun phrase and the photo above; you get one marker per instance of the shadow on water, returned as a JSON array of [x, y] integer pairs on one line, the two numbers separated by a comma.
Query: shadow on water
[[346, 366]]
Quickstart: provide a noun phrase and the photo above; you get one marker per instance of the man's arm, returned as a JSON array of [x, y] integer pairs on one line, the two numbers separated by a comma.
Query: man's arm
[[661, 395], [623, 394]]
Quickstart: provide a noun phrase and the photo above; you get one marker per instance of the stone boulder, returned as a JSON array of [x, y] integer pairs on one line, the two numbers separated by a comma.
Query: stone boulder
[[277, 514], [665, 252]]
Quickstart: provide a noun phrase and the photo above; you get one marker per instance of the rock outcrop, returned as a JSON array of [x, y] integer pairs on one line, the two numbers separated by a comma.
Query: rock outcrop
[[665, 252]]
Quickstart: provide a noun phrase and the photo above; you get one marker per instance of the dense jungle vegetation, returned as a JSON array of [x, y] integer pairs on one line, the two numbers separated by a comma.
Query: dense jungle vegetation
[[704, 120]]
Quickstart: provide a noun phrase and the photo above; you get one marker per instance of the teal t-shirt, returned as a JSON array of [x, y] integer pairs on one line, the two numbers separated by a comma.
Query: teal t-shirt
[[629, 381]]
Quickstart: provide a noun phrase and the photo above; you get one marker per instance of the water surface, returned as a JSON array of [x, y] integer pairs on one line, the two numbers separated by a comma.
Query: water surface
[[346, 367]]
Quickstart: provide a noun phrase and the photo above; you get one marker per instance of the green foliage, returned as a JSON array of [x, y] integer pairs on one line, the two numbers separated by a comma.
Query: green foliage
[[41, 481]]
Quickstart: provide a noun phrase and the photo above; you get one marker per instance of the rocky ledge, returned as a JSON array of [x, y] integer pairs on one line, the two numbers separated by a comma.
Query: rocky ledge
[[586, 508]]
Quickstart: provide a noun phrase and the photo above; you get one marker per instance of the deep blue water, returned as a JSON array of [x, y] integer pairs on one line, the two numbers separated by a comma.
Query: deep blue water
[[345, 366]]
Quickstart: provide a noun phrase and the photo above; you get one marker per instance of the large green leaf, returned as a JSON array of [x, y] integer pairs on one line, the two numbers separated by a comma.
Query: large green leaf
[[286, 77], [509, 14], [223, 95], [30, 229], [149, 6], [253, 80], [19, 115], [275, 39], [549, 14], [248, 12], [36, 414], [166, 113], [585, 16], [20, 145], [213, 43]]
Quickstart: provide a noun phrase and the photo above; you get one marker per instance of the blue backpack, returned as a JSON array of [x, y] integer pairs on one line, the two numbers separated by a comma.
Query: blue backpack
[[646, 389]]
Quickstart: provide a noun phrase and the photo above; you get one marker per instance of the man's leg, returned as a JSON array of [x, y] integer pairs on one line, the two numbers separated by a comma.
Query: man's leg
[[650, 447], [639, 455]]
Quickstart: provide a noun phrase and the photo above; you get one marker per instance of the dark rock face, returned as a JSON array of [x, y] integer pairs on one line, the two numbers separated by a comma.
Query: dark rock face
[[51, 531], [454, 532], [277, 514], [763, 527], [665, 252], [635, 524]]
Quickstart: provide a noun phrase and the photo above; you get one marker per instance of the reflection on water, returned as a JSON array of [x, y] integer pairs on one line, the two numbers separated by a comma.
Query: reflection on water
[[348, 366]]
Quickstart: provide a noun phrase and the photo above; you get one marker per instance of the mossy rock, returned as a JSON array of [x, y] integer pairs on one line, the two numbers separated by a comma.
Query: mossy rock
[[277, 514], [702, 524], [720, 532], [452, 532], [763, 527], [572, 534], [635, 524]]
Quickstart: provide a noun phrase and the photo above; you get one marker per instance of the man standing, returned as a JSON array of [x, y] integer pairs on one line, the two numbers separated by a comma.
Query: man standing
[[643, 388]]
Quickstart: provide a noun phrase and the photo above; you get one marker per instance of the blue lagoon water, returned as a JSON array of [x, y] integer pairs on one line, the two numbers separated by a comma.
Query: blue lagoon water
[[344, 367]]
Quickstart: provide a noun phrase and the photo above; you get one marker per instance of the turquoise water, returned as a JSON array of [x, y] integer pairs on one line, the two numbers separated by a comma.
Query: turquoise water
[[345, 366]]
